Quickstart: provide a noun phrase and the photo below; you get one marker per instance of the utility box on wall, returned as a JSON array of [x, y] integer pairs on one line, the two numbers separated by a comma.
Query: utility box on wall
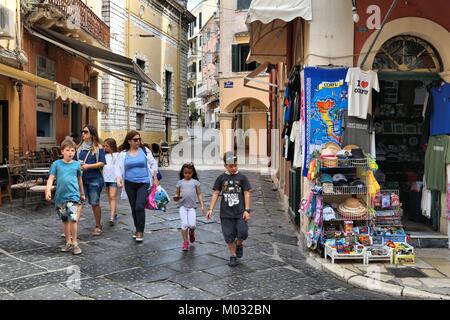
[[7, 20]]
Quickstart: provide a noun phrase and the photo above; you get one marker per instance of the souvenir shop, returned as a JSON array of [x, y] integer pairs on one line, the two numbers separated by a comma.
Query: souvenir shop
[[373, 152]]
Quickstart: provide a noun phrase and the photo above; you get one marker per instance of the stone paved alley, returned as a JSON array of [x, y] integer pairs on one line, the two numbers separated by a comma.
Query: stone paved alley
[[113, 266]]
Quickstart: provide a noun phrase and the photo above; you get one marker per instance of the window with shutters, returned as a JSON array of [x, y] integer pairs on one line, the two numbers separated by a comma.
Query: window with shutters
[[239, 57], [139, 87]]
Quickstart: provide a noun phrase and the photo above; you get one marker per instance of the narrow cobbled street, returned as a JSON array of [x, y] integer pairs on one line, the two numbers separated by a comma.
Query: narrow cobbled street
[[113, 266]]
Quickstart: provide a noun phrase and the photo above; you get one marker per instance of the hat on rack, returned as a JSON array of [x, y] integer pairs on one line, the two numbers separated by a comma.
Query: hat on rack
[[332, 145], [339, 179], [326, 178], [352, 208], [357, 183], [328, 156], [350, 147], [328, 213], [358, 153], [344, 153]]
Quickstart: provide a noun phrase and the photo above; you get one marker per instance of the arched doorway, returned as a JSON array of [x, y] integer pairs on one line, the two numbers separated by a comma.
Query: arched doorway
[[408, 67], [244, 124]]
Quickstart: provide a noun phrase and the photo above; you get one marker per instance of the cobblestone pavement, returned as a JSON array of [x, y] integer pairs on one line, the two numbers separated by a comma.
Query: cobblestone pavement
[[113, 266]]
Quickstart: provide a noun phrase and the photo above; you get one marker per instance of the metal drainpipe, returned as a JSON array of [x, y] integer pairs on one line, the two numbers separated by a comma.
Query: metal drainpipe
[[379, 32], [127, 85]]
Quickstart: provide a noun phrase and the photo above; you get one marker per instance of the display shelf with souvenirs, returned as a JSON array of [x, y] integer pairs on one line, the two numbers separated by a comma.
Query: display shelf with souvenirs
[[339, 205]]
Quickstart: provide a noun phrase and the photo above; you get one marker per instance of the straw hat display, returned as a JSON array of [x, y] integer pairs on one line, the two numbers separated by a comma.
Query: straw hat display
[[350, 147], [328, 155], [352, 208]]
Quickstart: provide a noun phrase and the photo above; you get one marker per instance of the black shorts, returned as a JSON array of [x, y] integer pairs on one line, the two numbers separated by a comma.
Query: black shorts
[[234, 228]]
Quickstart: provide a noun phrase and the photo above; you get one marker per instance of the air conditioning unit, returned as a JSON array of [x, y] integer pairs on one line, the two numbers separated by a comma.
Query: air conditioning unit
[[7, 21]]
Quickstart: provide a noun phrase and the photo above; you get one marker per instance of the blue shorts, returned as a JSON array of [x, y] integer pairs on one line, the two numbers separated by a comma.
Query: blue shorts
[[92, 189], [111, 184]]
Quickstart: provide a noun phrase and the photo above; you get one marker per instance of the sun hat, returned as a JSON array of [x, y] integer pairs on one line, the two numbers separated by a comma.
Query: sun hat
[[332, 145], [352, 208], [350, 147]]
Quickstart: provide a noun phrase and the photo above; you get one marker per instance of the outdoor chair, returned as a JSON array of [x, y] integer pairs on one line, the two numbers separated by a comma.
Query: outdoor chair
[[37, 174], [5, 189]]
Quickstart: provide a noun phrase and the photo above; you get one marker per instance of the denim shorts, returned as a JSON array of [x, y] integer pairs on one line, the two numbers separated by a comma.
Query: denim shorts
[[67, 211], [92, 189], [234, 228], [111, 184]]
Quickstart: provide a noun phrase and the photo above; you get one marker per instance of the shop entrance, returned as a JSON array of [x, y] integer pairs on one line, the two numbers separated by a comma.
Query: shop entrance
[[407, 68], [4, 131]]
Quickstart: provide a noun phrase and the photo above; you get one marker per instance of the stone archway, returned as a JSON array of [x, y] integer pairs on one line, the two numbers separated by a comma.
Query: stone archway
[[425, 29], [243, 126]]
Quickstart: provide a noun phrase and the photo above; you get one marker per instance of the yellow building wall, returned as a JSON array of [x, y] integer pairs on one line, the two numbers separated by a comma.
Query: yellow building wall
[[8, 93]]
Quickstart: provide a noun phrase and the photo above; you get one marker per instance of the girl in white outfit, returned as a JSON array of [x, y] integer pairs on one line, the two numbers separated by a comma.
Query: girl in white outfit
[[188, 189], [109, 176]]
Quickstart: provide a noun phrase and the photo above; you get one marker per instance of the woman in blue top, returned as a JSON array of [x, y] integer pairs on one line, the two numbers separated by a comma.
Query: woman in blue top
[[91, 155], [137, 170]]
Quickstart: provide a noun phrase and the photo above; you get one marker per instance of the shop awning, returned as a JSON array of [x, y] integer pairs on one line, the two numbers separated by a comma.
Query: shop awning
[[267, 21], [63, 92], [116, 65]]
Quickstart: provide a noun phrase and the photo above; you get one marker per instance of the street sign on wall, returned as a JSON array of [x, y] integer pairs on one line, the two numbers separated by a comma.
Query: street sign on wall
[[228, 84]]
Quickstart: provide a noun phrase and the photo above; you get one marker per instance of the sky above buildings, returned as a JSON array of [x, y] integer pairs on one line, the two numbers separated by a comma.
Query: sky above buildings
[[192, 3]]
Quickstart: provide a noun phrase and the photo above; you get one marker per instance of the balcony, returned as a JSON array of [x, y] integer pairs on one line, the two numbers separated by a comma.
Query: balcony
[[68, 16]]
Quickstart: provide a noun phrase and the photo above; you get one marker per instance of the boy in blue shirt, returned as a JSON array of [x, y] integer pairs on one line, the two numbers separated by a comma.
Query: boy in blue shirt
[[69, 193]]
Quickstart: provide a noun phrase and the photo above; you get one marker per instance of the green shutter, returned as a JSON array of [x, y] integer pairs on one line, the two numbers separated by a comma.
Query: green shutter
[[235, 58]]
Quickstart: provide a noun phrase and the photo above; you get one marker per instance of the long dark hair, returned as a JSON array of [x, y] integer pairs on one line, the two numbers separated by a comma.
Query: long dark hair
[[112, 144], [125, 146], [96, 142], [189, 165]]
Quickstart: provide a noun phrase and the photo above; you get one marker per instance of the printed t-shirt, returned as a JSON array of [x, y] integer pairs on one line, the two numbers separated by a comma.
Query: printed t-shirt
[[360, 85], [358, 131], [232, 204]]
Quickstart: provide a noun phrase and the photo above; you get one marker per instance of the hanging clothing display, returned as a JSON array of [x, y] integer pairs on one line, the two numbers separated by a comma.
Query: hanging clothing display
[[325, 103], [358, 131], [440, 113], [436, 158], [360, 84], [296, 139]]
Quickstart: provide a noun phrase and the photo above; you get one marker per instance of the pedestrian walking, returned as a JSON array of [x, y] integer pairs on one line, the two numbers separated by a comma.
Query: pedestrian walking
[[136, 170], [69, 194], [91, 156], [187, 190], [234, 206], [109, 175]]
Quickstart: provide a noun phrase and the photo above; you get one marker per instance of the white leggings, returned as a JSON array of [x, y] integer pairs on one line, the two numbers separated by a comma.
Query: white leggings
[[188, 218]]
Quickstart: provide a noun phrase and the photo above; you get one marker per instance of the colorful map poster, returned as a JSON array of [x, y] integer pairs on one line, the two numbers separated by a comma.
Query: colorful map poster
[[326, 99]]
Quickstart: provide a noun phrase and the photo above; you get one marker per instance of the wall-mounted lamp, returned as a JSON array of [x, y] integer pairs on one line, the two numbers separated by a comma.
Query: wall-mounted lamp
[[355, 15]]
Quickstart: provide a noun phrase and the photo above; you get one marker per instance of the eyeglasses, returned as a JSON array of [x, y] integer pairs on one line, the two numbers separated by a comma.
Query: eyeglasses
[[84, 131], [137, 139]]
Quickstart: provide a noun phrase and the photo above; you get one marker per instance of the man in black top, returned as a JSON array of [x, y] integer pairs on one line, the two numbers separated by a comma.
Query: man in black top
[[234, 206]]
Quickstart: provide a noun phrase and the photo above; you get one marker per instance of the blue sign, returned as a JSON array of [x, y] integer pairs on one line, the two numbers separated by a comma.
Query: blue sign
[[228, 84]]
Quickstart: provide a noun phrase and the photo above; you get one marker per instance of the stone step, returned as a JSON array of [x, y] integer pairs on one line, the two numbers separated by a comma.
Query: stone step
[[428, 240]]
